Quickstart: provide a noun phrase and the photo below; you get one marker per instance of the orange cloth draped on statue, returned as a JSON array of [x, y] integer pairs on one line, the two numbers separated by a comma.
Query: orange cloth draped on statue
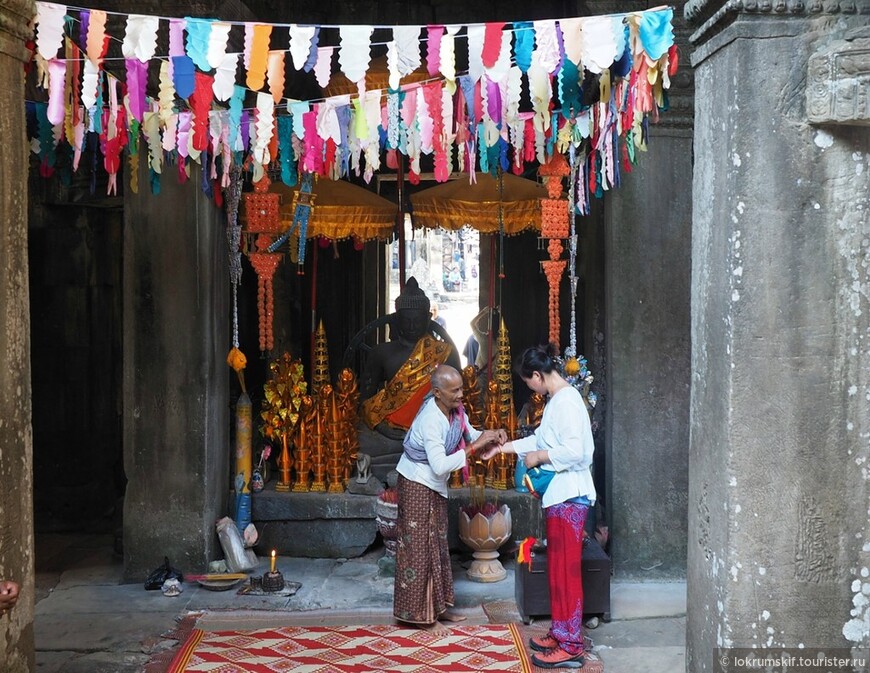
[[399, 401]]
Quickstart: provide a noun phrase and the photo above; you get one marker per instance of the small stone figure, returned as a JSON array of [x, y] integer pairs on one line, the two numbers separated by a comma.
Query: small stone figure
[[365, 483], [363, 468]]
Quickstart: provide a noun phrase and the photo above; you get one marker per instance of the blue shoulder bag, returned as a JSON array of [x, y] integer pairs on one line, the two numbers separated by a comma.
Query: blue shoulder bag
[[537, 481]]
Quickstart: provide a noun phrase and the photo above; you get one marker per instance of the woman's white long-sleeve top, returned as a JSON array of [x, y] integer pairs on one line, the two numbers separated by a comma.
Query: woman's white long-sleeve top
[[566, 434]]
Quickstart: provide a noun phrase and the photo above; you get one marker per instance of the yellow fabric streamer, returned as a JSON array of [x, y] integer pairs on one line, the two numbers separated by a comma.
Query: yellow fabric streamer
[[259, 57]]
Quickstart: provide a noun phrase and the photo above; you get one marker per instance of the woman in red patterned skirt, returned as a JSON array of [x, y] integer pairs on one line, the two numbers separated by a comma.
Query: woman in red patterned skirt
[[562, 443]]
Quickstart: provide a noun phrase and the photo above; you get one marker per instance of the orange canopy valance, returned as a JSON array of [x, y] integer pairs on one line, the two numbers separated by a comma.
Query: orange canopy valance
[[455, 204], [341, 210]]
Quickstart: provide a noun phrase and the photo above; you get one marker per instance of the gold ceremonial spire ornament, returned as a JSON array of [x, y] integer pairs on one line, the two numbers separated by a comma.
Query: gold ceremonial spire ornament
[[502, 375], [303, 446], [320, 366], [334, 444]]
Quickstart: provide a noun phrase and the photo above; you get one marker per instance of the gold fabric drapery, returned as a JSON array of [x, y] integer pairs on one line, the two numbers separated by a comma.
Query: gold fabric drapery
[[341, 210], [457, 203]]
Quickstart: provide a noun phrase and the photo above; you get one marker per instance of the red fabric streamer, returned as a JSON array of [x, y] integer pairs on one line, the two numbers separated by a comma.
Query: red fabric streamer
[[200, 103], [492, 44]]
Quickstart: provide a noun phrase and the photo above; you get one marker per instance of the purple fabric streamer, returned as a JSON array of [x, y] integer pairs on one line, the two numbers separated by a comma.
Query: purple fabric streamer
[[137, 79], [561, 42], [493, 100], [244, 128], [85, 19]]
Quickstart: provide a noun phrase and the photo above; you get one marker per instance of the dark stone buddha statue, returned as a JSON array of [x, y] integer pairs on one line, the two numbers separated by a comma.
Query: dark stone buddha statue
[[396, 375]]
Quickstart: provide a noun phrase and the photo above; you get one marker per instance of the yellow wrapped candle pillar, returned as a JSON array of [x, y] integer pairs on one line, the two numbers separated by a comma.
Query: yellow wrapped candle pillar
[[244, 461]]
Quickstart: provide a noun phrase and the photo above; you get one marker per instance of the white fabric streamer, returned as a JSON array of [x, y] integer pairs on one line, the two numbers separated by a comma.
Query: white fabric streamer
[[140, 40]]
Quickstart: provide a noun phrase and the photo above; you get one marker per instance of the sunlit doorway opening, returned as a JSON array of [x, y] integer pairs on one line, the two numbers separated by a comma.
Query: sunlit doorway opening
[[446, 265]]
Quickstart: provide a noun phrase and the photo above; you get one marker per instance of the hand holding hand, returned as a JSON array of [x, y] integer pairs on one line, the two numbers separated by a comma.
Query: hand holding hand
[[8, 594]]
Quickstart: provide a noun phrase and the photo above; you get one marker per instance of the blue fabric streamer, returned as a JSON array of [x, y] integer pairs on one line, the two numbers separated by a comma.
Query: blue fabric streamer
[[554, 129], [560, 40], [524, 44], [656, 32], [198, 33], [482, 152], [287, 158], [302, 214], [205, 183], [312, 53], [569, 88], [622, 65], [467, 86], [155, 181], [237, 102], [344, 151], [297, 110], [502, 148], [183, 76]]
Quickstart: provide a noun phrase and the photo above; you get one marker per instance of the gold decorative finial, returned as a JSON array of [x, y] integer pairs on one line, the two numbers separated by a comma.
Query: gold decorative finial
[[503, 373], [320, 367]]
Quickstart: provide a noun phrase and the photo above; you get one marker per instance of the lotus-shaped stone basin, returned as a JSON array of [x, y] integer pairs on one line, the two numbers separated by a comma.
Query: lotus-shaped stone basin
[[485, 534]]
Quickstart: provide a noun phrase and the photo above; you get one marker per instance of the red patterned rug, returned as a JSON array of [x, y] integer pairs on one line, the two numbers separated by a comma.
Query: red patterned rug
[[354, 649]]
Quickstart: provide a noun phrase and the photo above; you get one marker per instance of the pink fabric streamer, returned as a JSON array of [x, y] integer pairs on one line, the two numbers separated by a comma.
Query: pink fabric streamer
[[56, 89], [313, 158], [433, 49]]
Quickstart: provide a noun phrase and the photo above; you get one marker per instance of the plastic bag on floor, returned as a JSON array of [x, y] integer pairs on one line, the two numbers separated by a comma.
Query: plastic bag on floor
[[161, 574], [237, 557]]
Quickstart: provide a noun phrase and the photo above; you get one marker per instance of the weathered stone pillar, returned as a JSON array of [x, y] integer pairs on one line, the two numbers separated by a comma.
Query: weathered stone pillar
[[647, 242], [176, 380], [779, 541], [16, 436]]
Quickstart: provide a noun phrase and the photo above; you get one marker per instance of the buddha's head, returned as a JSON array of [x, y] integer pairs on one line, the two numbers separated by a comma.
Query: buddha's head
[[412, 312]]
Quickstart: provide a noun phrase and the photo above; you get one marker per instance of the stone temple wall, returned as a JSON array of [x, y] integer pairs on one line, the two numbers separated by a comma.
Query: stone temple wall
[[778, 491]]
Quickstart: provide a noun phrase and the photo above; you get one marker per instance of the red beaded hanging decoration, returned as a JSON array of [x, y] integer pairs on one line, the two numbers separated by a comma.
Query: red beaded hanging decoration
[[264, 218], [264, 264], [262, 208], [555, 220]]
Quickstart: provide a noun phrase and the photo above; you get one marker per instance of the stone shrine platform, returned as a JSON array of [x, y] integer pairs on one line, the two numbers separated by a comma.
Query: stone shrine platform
[[342, 525]]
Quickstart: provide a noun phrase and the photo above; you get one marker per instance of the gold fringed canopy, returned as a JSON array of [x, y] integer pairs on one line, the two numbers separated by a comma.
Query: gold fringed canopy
[[341, 210], [457, 203]]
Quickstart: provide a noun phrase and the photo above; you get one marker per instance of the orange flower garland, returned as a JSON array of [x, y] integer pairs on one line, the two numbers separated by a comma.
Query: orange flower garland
[[265, 264], [554, 269], [554, 218]]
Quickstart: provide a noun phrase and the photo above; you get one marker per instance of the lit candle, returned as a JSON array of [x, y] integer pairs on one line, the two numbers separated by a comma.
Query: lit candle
[[273, 562]]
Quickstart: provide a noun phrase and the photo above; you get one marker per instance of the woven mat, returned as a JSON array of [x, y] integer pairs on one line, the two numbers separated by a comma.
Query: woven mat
[[160, 662], [354, 649]]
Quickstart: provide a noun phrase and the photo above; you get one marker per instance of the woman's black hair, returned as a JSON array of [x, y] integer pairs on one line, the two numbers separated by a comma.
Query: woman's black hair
[[536, 359]]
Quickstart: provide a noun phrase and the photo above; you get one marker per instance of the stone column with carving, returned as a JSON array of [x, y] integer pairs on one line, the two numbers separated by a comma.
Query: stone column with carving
[[646, 325], [780, 419], [16, 436]]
